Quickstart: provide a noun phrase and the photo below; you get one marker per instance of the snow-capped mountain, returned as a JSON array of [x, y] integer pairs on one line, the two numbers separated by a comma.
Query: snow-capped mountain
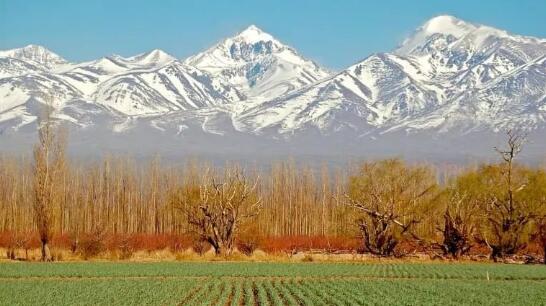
[[152, 82], [449, 49], [258, 65], [250, 64], [37, 55], [448, 73], [449, 78]]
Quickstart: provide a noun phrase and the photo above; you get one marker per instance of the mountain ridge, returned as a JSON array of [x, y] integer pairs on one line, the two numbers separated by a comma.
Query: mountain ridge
[[448, 77]]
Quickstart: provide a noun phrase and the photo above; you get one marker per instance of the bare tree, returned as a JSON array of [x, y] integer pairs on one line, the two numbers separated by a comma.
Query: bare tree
[[390, 195], [220, 208], [459, 226], [515, 145], [49, 162], [507, 217]]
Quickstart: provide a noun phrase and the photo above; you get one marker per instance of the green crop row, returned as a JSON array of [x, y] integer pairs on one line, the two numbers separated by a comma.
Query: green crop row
[[248, 269], [216, 291]]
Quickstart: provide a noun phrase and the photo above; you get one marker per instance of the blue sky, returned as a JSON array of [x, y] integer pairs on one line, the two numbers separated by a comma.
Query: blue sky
[[334, 33]]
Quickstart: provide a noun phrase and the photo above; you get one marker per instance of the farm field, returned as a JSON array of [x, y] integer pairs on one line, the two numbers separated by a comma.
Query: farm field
[[245, 283]]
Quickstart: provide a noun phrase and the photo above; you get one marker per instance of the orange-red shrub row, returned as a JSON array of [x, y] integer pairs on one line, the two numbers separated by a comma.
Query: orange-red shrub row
[[174, 242], [148, 242]]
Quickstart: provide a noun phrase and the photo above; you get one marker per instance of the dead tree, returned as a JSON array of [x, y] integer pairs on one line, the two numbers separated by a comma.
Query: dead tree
[[507, 217], [49, 159], [389, 195], [220, 208]]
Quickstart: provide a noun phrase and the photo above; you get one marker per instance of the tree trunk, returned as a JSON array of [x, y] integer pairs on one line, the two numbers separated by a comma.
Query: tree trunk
[[11, 254], [544, 254], [46, 254], [221, 249]]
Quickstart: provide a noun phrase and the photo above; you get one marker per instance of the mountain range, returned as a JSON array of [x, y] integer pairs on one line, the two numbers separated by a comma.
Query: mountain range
[[447, 92]]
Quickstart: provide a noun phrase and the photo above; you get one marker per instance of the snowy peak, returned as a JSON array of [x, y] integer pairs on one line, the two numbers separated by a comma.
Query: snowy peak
[[459, 55], [36, 55], [253, 34], [109, 66], [251, 44], [443, 32], [257, 64], [447, 25], [246, 46], [153, 58], [440, 30]]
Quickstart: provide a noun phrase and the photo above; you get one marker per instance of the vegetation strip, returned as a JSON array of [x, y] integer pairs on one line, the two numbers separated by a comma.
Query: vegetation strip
[[255, 278], [53, 210]]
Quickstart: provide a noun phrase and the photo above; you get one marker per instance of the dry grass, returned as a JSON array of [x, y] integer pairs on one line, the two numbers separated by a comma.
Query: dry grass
[[188, 255]]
